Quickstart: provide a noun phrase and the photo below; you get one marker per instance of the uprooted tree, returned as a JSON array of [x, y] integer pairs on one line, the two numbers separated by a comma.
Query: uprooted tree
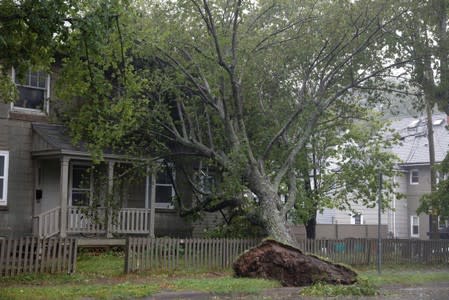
[[289, 265], [241, 85]]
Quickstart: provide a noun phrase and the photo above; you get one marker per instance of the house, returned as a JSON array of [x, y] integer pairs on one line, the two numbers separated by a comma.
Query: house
[[46, 183], [413, 181]]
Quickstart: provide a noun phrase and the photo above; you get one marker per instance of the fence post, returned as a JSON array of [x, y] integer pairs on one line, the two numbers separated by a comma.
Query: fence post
[[127, 254], [75, 253]]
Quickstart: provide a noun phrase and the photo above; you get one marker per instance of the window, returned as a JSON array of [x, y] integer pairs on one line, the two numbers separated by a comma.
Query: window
[[440, 177], [34, 90], [442, 222], [164, 187], [4, 162], [414, 226], [81, 185], [206, 182], [414, 177], [357, 219]]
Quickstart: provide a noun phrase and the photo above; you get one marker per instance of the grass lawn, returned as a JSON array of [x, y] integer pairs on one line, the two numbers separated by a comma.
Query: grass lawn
[[101, 277]]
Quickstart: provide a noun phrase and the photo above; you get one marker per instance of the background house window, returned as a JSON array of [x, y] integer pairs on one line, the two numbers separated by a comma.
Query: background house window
[[414, 226], [357, 219], [414, 177], [4, 162], [81, 185], [34, 89], [442, 222], [440, 177], [164, 188]]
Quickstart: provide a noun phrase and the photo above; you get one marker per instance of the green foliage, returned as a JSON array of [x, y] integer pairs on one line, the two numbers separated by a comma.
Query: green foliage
[[30, 32], [238, 227], [437, 202], [361, 288], [97, 291], [245, 85], [8, 91], [100, 276], [125, 177], [344, 161], [407, 275], [107, 264]]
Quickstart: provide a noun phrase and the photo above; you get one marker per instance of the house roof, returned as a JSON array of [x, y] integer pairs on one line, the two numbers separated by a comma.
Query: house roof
[[414, 147], [51, 140], [57, 137]]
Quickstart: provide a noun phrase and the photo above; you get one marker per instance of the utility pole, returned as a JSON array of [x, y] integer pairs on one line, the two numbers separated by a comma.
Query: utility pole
[[433, 217], [379, 219]]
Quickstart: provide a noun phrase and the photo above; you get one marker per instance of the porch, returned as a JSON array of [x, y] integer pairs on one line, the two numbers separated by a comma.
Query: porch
[[96, 222], [75, 197]]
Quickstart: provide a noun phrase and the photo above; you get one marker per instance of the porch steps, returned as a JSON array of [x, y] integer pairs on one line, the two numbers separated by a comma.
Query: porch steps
[[100, 242]]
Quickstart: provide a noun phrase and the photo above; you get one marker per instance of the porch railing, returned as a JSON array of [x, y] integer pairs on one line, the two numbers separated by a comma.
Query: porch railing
[[93, 221], [82, 219], [47, 224], [131, 220]]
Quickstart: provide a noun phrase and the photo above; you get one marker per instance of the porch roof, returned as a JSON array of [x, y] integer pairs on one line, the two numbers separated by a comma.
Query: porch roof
[[51, 140]]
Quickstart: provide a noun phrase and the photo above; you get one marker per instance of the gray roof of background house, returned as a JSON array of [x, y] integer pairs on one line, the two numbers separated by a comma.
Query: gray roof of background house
[[414, 148]]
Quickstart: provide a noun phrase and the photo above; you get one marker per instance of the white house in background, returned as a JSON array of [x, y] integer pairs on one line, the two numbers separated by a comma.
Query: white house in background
[[414, 181]]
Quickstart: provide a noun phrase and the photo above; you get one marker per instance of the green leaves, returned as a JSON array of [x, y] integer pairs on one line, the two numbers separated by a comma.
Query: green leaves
[[30, 32]]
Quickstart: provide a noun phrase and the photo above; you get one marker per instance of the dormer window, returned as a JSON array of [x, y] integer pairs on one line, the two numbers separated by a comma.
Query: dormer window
[[34, 91], [414, 177]]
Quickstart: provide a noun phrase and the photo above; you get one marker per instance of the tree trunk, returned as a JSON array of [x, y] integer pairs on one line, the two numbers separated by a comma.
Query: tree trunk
[[310, 223], [311, 227], [270, 214]]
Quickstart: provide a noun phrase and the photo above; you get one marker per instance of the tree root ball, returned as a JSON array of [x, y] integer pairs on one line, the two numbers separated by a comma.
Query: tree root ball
[[290, 266]]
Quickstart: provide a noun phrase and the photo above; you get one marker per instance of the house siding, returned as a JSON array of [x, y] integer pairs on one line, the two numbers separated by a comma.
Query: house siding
[[50, 172], [15, 137], [344, 216], [414, 194], [399, 216], [326, 217], [169, 223], [207, 222]]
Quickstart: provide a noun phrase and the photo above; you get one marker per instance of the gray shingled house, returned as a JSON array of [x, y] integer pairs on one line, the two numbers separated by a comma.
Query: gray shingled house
[[414, 181], [42, 178]]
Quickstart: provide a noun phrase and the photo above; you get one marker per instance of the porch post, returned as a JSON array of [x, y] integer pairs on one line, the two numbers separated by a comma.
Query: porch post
[[147, 190], [110, 194], [64, 184], [153, 201]]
